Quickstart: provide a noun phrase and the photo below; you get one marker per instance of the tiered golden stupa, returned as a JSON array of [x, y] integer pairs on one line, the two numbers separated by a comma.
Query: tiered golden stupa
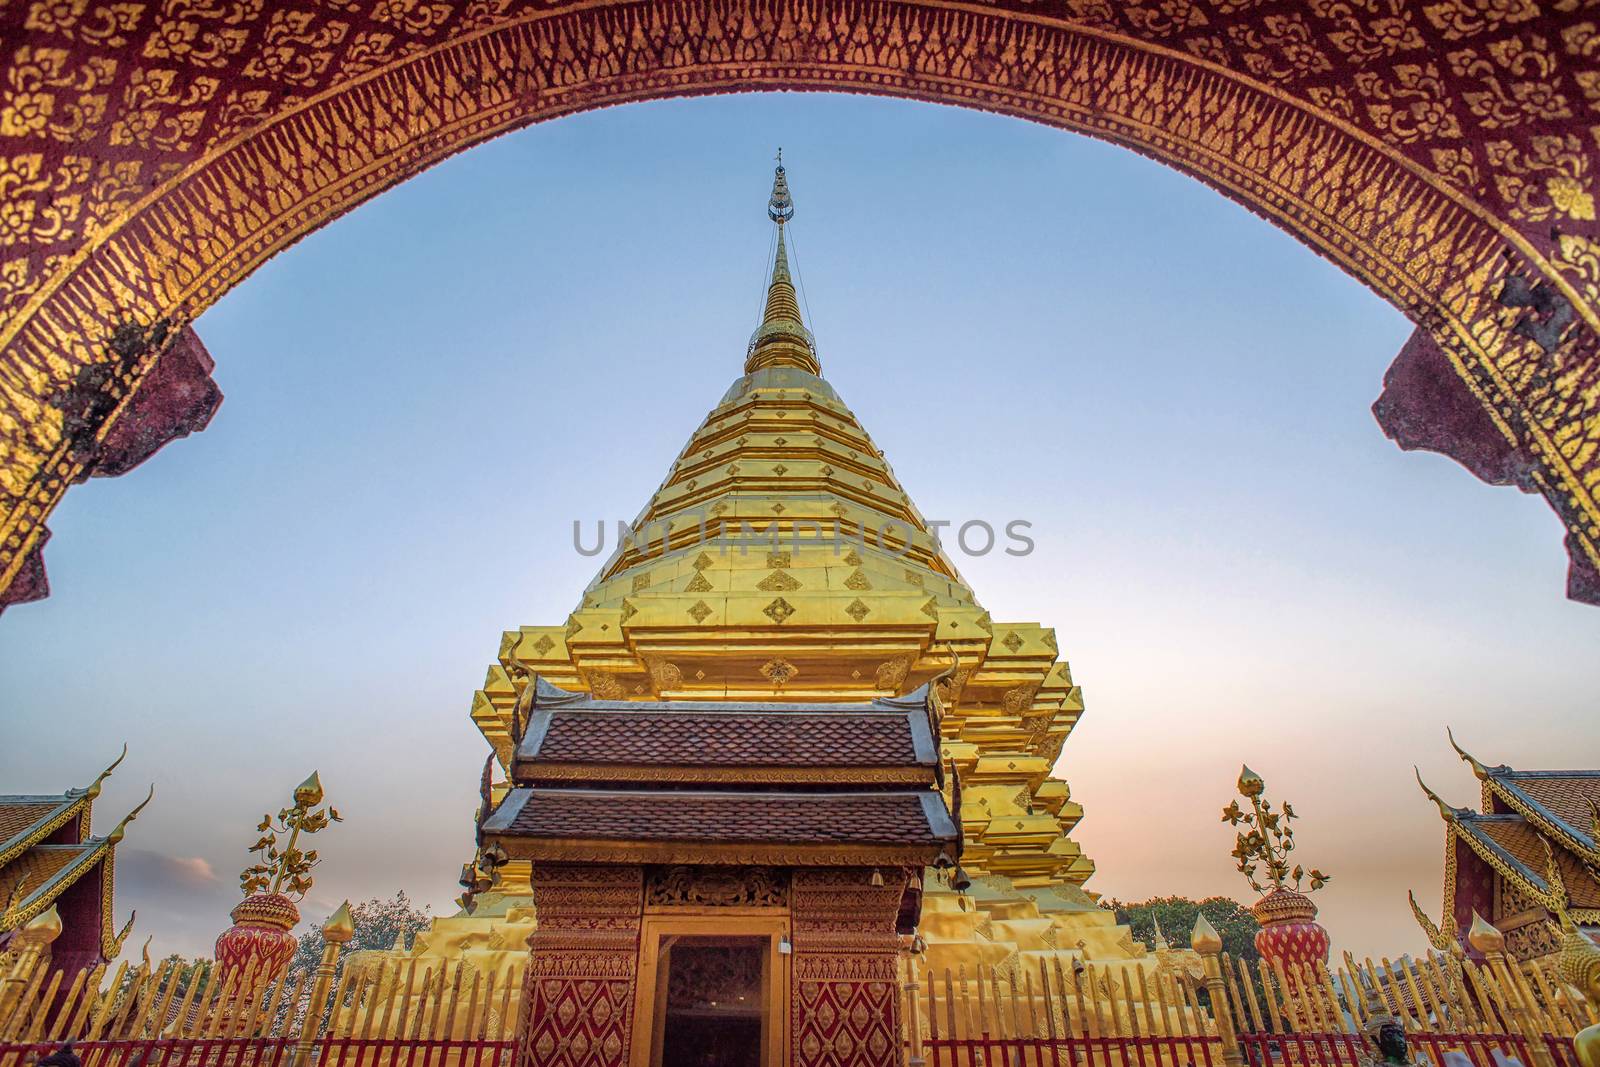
[[782, 559]]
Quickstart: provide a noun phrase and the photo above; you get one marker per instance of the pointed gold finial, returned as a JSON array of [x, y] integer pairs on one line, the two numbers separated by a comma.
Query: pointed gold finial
[[1205, 939], [1160, 938], [1436, 937], [1446, 812], [782, 339], [340, 927], [1477, 768], [308, 794], [1250, 783], [116, 834], [780, 207], [93, 789], [1559, 898], [1483, 937], [117, 942]]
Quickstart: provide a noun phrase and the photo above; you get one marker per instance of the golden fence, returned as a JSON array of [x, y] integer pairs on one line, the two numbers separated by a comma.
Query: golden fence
[[1048, 1014], [1439, 993], [192, 1011], [453, 1014]]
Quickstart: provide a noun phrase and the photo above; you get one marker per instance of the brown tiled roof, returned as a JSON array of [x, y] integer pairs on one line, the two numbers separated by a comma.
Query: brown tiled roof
[[729, 738], [37, 866], [1561, 795], [21, 813], [891, 818], [27, 819], [1515, 841]]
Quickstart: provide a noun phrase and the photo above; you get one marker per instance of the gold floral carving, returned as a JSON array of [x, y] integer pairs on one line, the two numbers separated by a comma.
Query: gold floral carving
[[1410, 104], [778, 582], [665, 675], [1547, 177], [604, 685], [1512, 81], [720, 887], [1019, 699], [891, 674], [778, 671], [1456, 19]]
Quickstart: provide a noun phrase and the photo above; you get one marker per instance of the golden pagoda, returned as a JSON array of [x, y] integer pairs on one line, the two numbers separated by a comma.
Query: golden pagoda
[[782, 560]]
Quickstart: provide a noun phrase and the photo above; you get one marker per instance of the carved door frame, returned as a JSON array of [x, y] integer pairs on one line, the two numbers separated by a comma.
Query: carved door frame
[[771, 923]]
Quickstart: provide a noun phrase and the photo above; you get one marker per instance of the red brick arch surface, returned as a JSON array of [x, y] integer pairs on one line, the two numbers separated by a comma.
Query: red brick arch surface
[[154, 152]]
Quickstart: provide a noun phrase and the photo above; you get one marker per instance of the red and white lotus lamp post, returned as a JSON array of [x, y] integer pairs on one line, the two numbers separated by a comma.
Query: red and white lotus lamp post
[[1290, 939], [259, 944]]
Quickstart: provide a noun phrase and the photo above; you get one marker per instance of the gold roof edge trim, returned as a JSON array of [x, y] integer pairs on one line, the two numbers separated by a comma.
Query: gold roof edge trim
[[1552, 825], [48, 891]]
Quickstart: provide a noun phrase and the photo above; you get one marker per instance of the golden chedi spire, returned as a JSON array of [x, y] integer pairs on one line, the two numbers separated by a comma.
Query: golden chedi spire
[[782, 559], [782, 339]]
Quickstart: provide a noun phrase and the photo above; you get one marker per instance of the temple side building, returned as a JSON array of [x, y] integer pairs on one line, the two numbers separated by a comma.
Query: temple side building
[[731, 876], [1530, 852], [49, 858]]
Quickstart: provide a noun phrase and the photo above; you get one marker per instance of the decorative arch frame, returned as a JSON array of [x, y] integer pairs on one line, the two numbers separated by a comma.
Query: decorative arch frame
[[155, 152]]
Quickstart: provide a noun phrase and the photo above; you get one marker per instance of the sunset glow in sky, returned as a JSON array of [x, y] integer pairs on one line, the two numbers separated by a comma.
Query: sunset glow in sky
[[423, 397]]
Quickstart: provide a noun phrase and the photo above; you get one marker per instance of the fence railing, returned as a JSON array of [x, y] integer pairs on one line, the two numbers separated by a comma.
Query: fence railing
[[275, 1052], [1041, 1009], [1049, 1015], [1170, 1013], [1438, 993], [1428, 1050], [180, 1014], [988, 1051]]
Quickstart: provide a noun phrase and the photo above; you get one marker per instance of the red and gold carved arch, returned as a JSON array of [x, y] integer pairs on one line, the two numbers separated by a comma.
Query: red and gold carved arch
[[154, 152]]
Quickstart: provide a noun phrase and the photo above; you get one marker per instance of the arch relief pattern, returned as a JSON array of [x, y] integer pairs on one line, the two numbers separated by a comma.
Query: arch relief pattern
[[154, 152]]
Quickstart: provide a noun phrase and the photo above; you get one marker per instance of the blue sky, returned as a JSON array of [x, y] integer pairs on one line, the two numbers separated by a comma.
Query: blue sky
[[422, 397]]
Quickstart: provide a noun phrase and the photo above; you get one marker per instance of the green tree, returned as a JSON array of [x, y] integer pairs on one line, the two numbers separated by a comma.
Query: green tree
[[185, 973], [378, 922], [1177, 915]]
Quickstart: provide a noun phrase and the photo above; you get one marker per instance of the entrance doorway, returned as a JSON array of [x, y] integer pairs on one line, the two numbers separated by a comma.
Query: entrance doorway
[[712, 992], [715, 1004]]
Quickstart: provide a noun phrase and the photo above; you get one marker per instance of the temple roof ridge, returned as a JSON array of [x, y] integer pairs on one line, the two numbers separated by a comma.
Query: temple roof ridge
[[46, 847], [1563, 804]]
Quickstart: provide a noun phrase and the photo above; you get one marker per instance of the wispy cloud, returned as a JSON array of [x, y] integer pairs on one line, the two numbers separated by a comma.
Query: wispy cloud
[[180, 899]]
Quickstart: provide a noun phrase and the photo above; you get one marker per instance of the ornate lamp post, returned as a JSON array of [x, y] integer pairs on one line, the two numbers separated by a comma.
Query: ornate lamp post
[[1290, 937], [259, 945]]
